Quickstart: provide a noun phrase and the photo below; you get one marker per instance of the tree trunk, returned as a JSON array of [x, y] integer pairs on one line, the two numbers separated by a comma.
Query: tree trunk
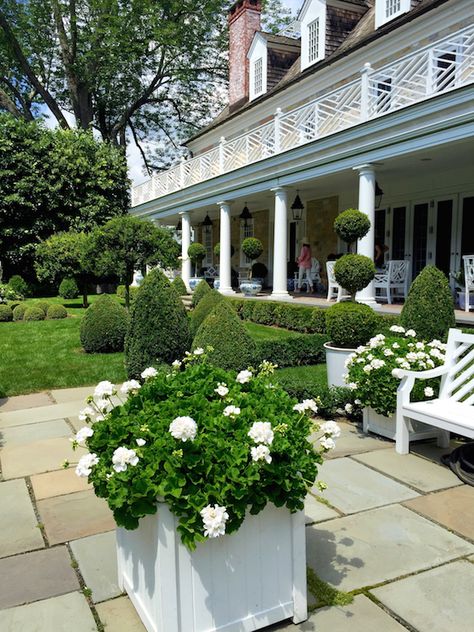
[[85, 302], [127, 296]]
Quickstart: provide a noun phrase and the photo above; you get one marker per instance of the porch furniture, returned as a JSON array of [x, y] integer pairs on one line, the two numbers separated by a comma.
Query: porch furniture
[[314, 274], [393, 279], [453, 410], [468, 279], [334, 289]]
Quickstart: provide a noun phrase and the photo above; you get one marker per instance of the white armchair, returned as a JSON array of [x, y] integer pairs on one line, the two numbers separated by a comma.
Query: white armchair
[[393, 279], [468, 279], [334, 289]]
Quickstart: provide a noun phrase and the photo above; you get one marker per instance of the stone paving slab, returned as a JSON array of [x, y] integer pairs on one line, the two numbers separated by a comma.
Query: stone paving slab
[[378, 545], [20, 435], [58, 483], [410, 469], [65, 395], [37, 575], [119, 615], [354, 441], [36, 415], [21, 402], [74, 516], [453, 508], [67, 613], [353, 487], [18, 525], [316, 511], [435, 601], [429, 449], [97, 558], [37, 457]]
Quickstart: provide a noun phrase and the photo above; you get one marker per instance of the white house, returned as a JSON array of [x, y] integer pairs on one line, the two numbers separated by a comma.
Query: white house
[[357, 96]]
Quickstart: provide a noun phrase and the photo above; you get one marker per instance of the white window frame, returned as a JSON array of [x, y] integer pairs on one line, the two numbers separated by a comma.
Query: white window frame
[[388, 10], [207, 243], [246, 230], [258, 54], [313, 40], [313, 14]]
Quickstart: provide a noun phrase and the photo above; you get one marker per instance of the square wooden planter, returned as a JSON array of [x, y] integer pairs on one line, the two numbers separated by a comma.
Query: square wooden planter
[[385, 426], [236, 583]]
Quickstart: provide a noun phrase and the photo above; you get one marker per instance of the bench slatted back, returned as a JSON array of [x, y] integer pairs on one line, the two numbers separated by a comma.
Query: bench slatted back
[[458, 383]]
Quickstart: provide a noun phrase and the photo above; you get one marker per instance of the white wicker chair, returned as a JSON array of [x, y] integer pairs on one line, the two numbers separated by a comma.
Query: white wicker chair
[[468, 279], [334, 289], [393, 279]]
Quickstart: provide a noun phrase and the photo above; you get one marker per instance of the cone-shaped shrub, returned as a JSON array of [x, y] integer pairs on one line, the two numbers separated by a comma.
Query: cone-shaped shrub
[[202, 288], [205, 307], [429, 308], [104, 326], [233, 348], [159, 326], [179, 286]]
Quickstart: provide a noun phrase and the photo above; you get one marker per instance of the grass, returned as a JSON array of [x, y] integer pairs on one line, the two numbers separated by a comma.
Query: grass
[[264, 332], [314, 374], [325, 594]]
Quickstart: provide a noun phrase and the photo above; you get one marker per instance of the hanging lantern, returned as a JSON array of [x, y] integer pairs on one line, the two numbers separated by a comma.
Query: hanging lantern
[[246, 214], [378, 195], [179, 226], [207, 223], [297, 208]]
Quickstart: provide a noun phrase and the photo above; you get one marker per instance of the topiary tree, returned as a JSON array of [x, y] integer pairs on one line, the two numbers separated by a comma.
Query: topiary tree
[[159, 326], [350, 324], [179, 286], [429, 308], [56, 312], [34, 313], [233, 348], [104, 326], [354, 273], [205, 307], [252, 248], [196, 252], [18, 284], [202, 288], [6, 314], [19, 311], [351, 225], [68, 289]]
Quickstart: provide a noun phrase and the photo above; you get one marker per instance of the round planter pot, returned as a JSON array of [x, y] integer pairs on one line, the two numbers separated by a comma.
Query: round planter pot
[[385, 426], [251, 287], [193, 281], [335, 363], [217, 284]]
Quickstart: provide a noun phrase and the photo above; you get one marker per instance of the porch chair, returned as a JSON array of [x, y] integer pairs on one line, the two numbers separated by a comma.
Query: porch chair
[[334, 289], [393, 278], [468, 279]]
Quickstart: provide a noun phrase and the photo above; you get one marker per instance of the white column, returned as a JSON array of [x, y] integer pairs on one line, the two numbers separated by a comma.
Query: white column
[[280, 245], [185, 243], [366, 246], [225, 281]]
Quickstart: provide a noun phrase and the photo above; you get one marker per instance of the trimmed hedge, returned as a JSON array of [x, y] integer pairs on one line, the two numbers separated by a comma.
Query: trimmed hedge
[[299, 318], [6, 314], [19, 311], [299, 349], [43, 306], [350, 324], [179, 286], [34, 313], [56, 312], [202, 288], [203, 309], [68, 289], [104, 326]]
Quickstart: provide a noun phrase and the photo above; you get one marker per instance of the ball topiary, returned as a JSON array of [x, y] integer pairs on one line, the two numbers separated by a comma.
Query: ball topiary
[[429, 308], [19, 311], [56, 312], [43, 306], [159, 326], [196, 252], [205, 307], [179, 286], [104, 326], [34, 313], [6, 314], [252, 247], [18, 284], [350, 324], [233, 348], [202, 288], [351, 225], [354, 272], [68, 289]]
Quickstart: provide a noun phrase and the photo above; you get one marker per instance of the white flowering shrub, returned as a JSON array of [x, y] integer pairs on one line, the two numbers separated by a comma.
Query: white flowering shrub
[[374, 369], [210, 443]]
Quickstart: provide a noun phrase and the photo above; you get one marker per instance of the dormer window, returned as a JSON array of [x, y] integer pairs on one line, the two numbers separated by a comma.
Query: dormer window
[[392, 7], [258, 77], [258, 60], [386, 10], [313, 21], [313, 41]]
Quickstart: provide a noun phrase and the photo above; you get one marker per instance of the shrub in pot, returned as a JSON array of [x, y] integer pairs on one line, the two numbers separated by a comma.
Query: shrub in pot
[[196, 252], [68, 289], [252, 248], [104, 326], [202, 289], [34, 313], [6, 313], [349, 325], [56, 312]]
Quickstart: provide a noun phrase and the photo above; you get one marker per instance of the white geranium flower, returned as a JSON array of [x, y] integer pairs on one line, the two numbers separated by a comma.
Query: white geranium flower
[[377, 364], [370, 356], [360, 349], [105, 389], [348, 408], [327, 443], [176, 364], [261, 452], [148, 373], [368, 368], [221, 389], [388, 352], [420, 345], [429, 392], [103, 405], [358, 402], [306, 404], [86, 463], [244, 376], [352, 386], [261, 432], [132, 386], [122, 458], [411, 333], [397, 329], [396, 345], [231, 411], [82, 435], [331, 428], [398, 373], [214, 519], [198, 351], [86, 414], [183, 428], [140, 442]]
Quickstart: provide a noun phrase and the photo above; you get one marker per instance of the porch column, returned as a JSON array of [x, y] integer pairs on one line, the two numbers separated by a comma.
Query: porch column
[[225, 281], [280, 245], [366, 245], [185, 243]]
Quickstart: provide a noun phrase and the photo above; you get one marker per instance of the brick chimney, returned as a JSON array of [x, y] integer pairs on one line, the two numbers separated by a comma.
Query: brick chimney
[[244, 22]]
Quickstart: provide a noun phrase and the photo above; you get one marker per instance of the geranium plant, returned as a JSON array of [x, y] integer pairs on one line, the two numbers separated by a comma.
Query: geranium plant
[[209, 443], [374, 369]]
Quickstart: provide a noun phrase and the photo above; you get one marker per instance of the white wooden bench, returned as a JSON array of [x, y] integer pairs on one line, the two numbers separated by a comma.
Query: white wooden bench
[[453, 411]]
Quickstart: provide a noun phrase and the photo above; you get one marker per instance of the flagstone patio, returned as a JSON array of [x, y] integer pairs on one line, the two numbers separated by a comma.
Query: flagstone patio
[[396, 530]]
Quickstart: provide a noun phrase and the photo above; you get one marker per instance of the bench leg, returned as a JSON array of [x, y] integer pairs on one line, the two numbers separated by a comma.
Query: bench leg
[[365, 421], [402, 435], [443, 439]]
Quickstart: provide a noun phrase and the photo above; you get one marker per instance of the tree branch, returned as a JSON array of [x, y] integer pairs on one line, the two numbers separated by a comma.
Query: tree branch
[[140, 148], [8, 104]]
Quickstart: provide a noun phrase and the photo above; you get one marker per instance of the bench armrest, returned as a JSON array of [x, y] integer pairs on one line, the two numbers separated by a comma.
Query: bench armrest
[[424, 375]]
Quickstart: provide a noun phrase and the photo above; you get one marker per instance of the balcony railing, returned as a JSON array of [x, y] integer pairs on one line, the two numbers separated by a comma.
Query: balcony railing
[[439, 67]]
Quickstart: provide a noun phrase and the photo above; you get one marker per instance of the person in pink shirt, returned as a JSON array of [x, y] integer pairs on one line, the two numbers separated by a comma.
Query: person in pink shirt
[[304, 264]]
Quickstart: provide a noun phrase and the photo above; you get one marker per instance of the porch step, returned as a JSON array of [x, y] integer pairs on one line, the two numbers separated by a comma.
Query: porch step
[[187, 301]]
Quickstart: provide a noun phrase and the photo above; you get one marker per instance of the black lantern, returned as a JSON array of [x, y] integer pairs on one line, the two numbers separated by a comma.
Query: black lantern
[[378, 195], [297, 208], [207, 223], [179, 226], [246, 214]]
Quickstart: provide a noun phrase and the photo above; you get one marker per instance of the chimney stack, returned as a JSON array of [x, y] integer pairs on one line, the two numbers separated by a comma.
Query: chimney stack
[[244, 22]]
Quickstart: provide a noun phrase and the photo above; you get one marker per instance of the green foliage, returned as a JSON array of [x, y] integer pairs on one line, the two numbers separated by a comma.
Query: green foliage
[[429, 308], [19, 285], [324, 593], [43, 306], [259, 270], [214, 465], [6, 313], [19, 311], [203, 309], [354, 272], [121, 292], [104, 326], [294, 350], [252, 247], [159, 326], [56, 312], [200, 291], [68, 288], [233, 348], [350, 324], [196, 252], [34, 313], [295, 317], [179, 286], [217, 250], [351, 225]]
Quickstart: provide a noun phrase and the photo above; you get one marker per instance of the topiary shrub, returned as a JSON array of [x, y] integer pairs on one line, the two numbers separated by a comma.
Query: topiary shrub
[[43, 306], [6, 314], [196, 252], [68, 289], [180, 286], [104, 326], [351, 225], [56, 312], [252, 247], [19, 311], [350, 324], [18, 284], [159, 326], [354, 272], [429, 308], [34, 313], [202, 288], [205, 307], [233, 348]]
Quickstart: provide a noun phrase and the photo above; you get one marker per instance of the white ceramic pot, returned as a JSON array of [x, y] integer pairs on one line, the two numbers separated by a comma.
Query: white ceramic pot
[[250, 287], [237, 583], [193, 282], [217, 284], [335, 364], [385, 426]]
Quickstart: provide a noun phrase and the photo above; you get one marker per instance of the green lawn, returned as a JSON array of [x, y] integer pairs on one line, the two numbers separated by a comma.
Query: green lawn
[[316, 375], [264, 332]]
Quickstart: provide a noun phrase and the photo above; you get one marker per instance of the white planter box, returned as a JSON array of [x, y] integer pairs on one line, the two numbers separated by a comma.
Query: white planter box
[[385, 426], [335, 364], [237, 583]]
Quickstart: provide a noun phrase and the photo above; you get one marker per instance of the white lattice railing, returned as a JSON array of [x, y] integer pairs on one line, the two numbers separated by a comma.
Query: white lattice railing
[[443, 65]]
